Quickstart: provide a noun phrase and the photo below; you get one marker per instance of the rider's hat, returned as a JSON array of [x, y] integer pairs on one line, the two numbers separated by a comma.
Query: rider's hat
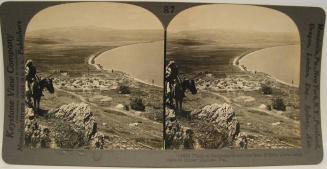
[[171, 62], [28, 62]]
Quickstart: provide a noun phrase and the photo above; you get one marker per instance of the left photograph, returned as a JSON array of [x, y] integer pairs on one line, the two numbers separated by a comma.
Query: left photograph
[[94, 78]]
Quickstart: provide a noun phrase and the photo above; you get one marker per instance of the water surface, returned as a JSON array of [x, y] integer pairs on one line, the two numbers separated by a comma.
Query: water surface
[[281, 62], [143, 61]]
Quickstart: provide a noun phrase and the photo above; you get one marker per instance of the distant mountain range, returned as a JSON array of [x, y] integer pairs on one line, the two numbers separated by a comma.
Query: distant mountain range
[[94, 34], [218, 36], [221, 36]]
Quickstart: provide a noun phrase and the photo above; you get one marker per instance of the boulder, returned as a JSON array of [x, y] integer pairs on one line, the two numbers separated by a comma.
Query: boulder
[[220, 127], [263, 106], [120, 106], [79, 117]]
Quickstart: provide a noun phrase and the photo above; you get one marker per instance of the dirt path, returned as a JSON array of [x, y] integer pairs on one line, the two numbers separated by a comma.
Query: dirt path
[[128, 113], [226, 99], [125, 127]]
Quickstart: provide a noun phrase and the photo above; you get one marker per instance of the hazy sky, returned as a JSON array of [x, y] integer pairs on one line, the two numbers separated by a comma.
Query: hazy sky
[[236, 17], [86, 14]]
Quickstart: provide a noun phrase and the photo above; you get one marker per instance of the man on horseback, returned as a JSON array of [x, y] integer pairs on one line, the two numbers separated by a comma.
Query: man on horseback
[[30, 79], [171, 78]]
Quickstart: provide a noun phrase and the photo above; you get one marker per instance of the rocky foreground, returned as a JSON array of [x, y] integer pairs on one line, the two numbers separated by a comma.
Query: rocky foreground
[[213, 126], [69, 126]]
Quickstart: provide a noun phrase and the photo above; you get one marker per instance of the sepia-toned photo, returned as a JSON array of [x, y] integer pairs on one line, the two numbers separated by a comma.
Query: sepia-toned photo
[[94, 78], [232, 79], [162, 84]]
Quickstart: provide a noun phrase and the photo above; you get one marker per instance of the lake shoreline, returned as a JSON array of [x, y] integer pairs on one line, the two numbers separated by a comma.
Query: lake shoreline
[[236, 63], [99, 67]]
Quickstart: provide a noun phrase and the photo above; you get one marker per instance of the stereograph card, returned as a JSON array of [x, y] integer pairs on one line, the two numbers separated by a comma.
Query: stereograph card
[[161, 84]]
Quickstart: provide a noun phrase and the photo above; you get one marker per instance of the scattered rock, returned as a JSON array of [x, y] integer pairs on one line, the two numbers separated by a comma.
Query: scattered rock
[[36, 136], [120, 106], [98, 141], [241, 141], [276, 123], [262, 106], [177, 136], [209, 75], [133, 124]]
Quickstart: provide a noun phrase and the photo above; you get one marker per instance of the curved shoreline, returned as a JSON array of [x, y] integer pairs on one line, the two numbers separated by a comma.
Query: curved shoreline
[[238, 58], [91, 61]]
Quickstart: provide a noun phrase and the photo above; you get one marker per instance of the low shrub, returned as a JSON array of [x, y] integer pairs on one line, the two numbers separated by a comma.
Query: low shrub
[[266, 89], [137, 104], [126, 107], [278, 104], [124, 89]]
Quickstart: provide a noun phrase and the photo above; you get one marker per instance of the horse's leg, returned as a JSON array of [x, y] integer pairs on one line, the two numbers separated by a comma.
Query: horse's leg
[[38, 105], [181, 105], [34, 106], [171, 99], [176, 105]]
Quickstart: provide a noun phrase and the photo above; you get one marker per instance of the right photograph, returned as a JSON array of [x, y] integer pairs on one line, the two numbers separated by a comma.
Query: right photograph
[[232, 79]]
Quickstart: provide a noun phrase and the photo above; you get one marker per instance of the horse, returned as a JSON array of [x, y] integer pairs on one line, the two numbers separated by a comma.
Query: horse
[[179, 92], [37, 91]]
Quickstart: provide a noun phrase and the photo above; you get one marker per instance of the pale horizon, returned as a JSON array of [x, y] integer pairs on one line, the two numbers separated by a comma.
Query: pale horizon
[[107, 15], [243, 18]]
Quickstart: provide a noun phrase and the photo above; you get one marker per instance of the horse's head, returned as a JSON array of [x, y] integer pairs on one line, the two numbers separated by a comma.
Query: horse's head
[[50, 85], [190, 84]]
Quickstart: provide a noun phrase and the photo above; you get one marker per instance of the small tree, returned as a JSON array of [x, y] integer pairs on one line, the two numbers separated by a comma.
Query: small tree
[[266, 89], [278, 104], [124, 89], [126, 107], [137, 104]]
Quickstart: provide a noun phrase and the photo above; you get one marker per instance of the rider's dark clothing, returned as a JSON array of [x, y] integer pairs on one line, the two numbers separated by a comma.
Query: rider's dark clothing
[[30, 73], [171, 78], [171, 72], [30, 78]]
